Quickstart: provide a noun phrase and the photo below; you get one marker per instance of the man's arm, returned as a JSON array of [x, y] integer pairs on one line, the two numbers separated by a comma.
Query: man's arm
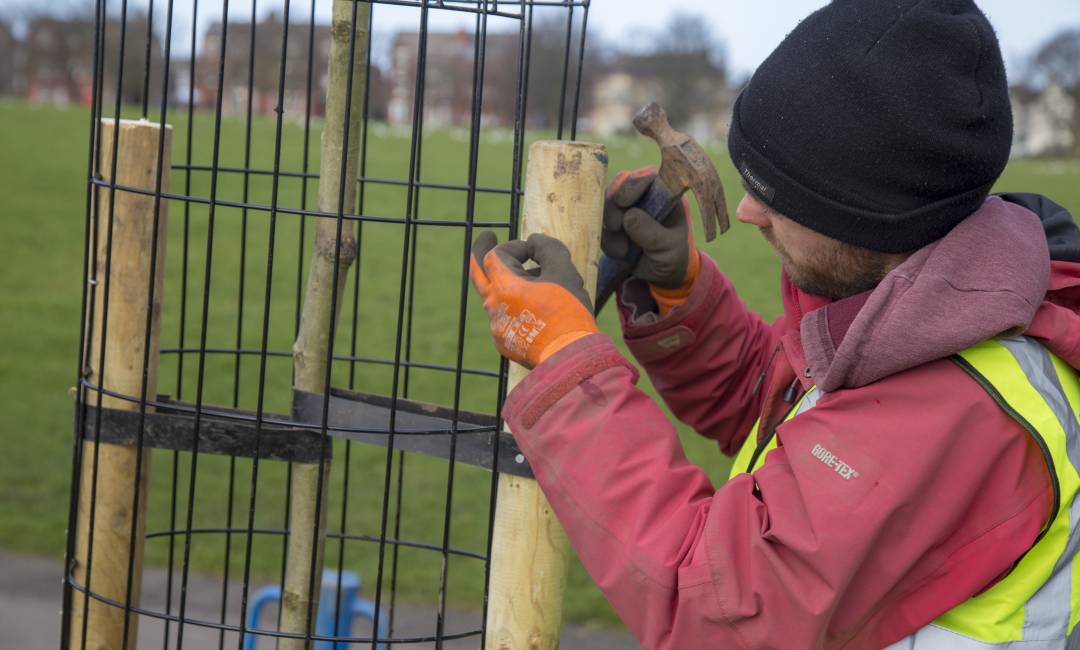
[[796, 555], [705, 357]]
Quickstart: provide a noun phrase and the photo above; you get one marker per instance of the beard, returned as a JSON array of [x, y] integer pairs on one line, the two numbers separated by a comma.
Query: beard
[[835, 270]]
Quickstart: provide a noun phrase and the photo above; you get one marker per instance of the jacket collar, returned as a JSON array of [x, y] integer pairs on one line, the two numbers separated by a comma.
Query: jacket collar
[[987, 277]]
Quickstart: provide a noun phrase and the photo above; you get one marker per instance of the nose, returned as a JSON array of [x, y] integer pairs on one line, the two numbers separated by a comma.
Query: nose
[[753, 212]]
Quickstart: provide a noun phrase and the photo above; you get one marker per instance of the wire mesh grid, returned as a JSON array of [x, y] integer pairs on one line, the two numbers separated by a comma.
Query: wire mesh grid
[[236, 199]]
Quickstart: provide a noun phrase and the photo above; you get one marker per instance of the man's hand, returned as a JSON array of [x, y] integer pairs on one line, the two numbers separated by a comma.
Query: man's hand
[[537, 312], [669, 259]]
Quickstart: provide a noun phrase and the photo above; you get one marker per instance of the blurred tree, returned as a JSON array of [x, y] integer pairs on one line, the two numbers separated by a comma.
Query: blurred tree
[[1058, 62], [550, 48], [691, 64], [691, 33]]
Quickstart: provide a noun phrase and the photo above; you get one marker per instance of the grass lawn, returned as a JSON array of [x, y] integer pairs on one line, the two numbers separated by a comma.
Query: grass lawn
[[43, 192]]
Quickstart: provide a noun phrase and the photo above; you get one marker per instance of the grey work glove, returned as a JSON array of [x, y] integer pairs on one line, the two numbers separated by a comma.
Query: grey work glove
[[665, 245]]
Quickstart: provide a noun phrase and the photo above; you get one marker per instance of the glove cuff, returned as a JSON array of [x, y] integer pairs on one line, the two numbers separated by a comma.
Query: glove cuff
[[561, 342], [668, 299]]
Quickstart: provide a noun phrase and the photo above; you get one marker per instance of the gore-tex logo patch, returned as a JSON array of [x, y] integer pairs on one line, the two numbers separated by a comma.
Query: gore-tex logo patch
[[845, 471]]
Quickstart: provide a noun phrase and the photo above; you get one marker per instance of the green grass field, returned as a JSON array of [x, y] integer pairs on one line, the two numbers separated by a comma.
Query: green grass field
[[43, 191]]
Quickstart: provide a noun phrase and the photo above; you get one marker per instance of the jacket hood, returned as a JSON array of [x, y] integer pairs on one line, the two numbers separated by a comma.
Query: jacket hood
[[1011, 267]]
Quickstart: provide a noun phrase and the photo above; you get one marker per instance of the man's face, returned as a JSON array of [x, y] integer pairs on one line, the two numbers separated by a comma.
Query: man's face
[[816, 264]]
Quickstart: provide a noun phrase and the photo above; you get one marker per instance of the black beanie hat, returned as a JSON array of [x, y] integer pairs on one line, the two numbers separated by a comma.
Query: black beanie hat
[[881, 123]]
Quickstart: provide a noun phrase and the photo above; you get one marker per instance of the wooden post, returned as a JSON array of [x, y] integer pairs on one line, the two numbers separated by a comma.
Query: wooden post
[[564, 198], [125, 341], [301, 589]]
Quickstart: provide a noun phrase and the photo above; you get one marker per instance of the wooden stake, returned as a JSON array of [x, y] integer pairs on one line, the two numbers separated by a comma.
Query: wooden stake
[[307, 522], [564, 198], [125, 341]]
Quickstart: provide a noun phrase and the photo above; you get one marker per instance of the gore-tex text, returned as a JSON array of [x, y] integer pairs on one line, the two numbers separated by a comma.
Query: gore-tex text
[[846, 472]]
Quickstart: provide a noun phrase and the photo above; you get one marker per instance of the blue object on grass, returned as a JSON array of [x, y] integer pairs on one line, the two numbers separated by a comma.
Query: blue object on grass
[[352, 606]]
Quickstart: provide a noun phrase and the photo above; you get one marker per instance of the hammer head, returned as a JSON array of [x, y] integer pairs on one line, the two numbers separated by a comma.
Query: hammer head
[[685, 166]]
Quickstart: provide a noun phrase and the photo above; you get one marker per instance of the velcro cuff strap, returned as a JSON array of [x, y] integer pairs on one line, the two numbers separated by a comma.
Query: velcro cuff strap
[[556, 377]]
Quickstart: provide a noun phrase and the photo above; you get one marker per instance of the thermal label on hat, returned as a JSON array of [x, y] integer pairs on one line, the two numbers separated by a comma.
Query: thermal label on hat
[[763, 189]]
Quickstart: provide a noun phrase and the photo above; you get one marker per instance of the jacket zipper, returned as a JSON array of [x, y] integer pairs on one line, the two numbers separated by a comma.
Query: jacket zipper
[[790, 398], [764, 373]]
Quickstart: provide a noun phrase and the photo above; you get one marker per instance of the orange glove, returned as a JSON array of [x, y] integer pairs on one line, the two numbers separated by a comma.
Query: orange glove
[[670, 261], [534, 313]]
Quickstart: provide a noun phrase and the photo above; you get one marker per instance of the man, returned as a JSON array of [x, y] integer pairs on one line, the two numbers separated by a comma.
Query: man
[[907, 438]]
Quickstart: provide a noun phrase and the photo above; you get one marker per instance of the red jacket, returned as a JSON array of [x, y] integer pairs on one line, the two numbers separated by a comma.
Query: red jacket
[[950, 490]]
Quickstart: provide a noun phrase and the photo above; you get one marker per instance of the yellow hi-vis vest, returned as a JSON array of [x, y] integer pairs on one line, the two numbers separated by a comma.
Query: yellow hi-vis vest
[[1036, 606]]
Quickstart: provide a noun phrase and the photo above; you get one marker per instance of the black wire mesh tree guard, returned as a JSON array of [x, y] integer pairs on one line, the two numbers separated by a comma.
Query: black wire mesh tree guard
[[218, 417]]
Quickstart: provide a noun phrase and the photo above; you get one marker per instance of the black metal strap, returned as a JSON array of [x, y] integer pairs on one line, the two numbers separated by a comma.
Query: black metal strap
[[175, 429], [418, 427]]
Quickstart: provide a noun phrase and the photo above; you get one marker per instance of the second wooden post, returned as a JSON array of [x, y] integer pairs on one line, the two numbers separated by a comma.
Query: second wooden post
[[330, 261], [564, 198], [113, 479]]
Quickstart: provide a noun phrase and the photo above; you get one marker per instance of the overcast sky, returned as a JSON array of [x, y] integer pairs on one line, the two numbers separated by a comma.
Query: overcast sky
[[748, 29]]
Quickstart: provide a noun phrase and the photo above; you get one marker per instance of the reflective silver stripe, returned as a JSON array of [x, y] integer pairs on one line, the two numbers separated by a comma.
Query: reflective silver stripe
[[1047, 613], [808, 401], [1074, 639], [1035, 360], [933, 637]]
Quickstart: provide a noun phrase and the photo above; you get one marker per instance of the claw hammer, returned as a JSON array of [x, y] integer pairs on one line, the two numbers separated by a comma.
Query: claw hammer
[[684, 166]]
